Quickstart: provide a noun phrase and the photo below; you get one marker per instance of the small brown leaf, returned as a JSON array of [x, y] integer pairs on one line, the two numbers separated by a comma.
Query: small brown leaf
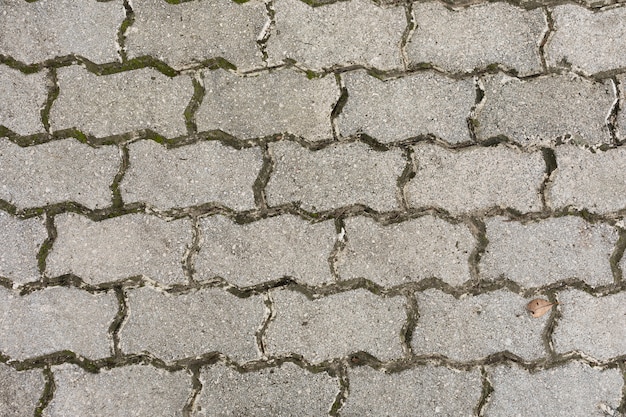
[[538, 307]]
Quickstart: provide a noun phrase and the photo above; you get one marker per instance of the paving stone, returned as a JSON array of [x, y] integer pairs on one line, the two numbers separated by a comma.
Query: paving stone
[[119, 248], [137, 390], [543, 252], [404, 252], [588, 41], [36, 31], [544, 109], [106, 105], [265, 250], [438, 106], [19, 391], [189, 33], [357, 32], [588, 180], [573, 389], [46, 321], [474, 327], [55, 172], [476, 178], [281, 101], [23, 97], [593, 325], [338, 175], [426, 391], [191, 175], [477, 37], [283, 391], [180, 326], [336, 325], [21, 240]]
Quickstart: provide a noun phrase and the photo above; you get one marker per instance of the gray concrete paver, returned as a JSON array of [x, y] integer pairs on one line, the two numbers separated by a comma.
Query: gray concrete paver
[[21, 240], [19, 391], [28, 93]]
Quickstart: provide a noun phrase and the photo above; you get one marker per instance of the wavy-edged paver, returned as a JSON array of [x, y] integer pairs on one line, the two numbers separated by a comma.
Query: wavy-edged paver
[[56, 172], [120, 248], [23, 97], [439, 106], [201, 173], [477, 37], [21, 241], [19, 391], [265, 250], [178, 326]]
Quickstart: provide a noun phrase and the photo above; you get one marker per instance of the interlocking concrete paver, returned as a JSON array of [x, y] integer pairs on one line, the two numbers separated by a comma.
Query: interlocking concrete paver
[[429, 391], [186, 325], [190, 33], [589, 180], [573, 389], [106, 105], [540, 253], [474, 327], [586, 40], [439, 106], [404, 252], [357, 32], [476, 179], [338, 175], [19, 391], [265, 250], [336, 325], [137, 390], [205, 172], [284, 391], [544, 109], [57, 172], [593, 325], [47, 321], [23, 96], [21, 240], [281, 101], [477, 37], [119, 248], [36, 31]]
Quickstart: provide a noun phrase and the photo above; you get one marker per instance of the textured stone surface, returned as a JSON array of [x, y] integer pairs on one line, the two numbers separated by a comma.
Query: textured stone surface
[[187, 325], [544, 109], [265, 250], [281, 101], [21, 240], [338, 175], [57, 171], [137, 390], [540, 253], [205, 172], [105, 105], [46, 321], [593, 325], [357, 32], [478, 36], [287, 390], [439, 106], [588, 180], [476, 178], [474, 327], [336, 325], [19, 391], [404, 252], [23, 96], [119, 248], [189, 33], [35, 31], [429, 391], [573, 389], [586, 40]]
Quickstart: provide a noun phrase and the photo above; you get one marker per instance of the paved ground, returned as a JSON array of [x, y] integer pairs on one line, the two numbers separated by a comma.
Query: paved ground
[[272, 209]]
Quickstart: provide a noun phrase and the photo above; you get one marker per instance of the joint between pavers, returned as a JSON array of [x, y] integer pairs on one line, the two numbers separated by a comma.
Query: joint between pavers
[[338, 247], [261, 181], [611, 119], [617, 255], [412, 318], [549, 157], [547, 12], [188, 261], [120, 318], [53, 94], [129, 19], [194, 104], [408, 173], [270, 314], [46, 246], [338, 106], [48, 392], [407, 34], [196, 388], [344, 389], [116, 194], [485, 394], [478, 229], [266, 31]]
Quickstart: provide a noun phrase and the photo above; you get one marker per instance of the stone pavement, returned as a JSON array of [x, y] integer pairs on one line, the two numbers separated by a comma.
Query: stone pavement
[[265, 208]]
